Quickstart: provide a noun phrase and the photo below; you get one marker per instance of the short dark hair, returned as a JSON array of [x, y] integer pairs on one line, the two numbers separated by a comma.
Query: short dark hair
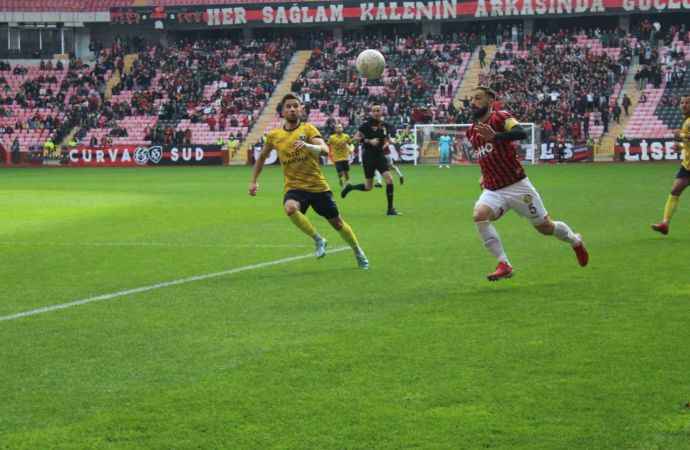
[[286, 97], [488, 91]]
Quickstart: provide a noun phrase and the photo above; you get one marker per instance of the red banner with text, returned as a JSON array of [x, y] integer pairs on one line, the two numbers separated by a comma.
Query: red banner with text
[[308, 13]]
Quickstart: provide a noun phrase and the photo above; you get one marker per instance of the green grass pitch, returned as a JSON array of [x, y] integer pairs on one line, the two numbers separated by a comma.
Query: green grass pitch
[[420, 352]]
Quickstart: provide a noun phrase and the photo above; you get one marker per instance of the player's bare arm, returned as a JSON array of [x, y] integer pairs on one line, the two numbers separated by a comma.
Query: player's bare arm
[[258, 167], [316, 146]]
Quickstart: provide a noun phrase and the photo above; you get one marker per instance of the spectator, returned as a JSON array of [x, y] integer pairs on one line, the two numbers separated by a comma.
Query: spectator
[[617, 113], [605, 119], [48, 148], [626, 103], [211, 122], [15, 150]]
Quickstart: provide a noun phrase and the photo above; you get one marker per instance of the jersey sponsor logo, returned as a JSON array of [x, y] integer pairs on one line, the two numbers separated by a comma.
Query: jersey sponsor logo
[[295, 156], [527, 199], [485, 150]]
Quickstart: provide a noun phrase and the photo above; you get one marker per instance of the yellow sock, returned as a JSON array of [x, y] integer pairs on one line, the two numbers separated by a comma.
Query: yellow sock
[[671, 205], [303, 224], [349, 236]]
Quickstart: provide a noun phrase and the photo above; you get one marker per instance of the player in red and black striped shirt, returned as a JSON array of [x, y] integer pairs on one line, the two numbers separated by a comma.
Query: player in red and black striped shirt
[[494, 136], [498, 159]]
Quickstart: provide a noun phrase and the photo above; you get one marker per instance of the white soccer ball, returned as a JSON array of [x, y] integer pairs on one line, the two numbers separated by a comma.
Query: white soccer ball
[[370, 64]]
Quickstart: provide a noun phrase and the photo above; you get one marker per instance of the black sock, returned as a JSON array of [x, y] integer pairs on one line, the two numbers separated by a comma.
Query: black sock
[[358, 187], [389, 195]]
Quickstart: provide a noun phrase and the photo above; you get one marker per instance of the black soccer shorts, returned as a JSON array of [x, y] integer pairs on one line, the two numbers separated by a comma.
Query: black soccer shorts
[[342, 166], [321, 202], [373, 161]]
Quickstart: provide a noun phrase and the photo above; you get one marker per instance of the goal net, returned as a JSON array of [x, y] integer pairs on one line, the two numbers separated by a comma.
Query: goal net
[[427, 140]]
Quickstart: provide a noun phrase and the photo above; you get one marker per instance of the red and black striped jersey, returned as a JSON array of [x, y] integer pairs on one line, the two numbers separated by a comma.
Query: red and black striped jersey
[[498, 159]]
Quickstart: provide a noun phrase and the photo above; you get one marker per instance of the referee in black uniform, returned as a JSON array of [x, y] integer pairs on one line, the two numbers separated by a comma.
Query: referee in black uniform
[[374, 134]]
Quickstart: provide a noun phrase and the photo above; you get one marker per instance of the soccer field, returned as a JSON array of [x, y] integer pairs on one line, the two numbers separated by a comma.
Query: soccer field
[[418, 352]]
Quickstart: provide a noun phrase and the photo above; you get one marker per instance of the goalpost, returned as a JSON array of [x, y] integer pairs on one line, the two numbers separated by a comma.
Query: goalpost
[[427, 136]]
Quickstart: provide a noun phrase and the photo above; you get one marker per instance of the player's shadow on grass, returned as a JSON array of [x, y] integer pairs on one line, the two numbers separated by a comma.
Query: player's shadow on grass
[[660, 240], [523, 292]]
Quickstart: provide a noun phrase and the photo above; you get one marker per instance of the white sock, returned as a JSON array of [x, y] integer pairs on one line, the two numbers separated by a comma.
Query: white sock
[[492, 241], [377, 177], [397, 171], [563, 232]]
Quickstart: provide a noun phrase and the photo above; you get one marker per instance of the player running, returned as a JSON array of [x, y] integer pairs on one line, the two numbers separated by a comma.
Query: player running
[[505, 184], [299, 146], [341, 149], [683, 175], [374, 134]]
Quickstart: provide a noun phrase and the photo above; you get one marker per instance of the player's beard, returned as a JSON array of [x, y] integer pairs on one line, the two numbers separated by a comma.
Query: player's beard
[[292, 121], [478, 113]]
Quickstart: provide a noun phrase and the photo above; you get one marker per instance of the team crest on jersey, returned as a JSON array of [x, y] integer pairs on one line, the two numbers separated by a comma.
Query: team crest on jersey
[[527, 199]]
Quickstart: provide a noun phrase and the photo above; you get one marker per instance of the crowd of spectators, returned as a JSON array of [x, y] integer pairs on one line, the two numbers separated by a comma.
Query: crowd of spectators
[[559, 82], [553, 79], [420, 69], [220, 83]]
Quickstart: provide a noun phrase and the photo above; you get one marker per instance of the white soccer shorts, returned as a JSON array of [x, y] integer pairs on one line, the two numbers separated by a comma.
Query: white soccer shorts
[[521, 197]]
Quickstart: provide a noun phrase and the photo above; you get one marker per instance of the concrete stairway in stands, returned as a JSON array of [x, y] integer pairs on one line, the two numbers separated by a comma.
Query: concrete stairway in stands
[[605, 148], [113, 81], [471, 78], [294, 69], [116, 78]]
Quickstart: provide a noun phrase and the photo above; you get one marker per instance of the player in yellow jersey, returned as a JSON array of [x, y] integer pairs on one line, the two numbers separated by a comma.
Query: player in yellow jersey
[[683, 175], [299, 146], [341, 149]]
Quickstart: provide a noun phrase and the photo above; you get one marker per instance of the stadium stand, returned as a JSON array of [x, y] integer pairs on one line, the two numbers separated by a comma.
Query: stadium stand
[[62, 5], [663, 81], [551, 79], [419, 84], [205, 90]]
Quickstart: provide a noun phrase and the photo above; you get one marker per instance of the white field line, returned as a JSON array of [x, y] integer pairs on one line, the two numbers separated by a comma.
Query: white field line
[[143, 244], [139, 290]]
